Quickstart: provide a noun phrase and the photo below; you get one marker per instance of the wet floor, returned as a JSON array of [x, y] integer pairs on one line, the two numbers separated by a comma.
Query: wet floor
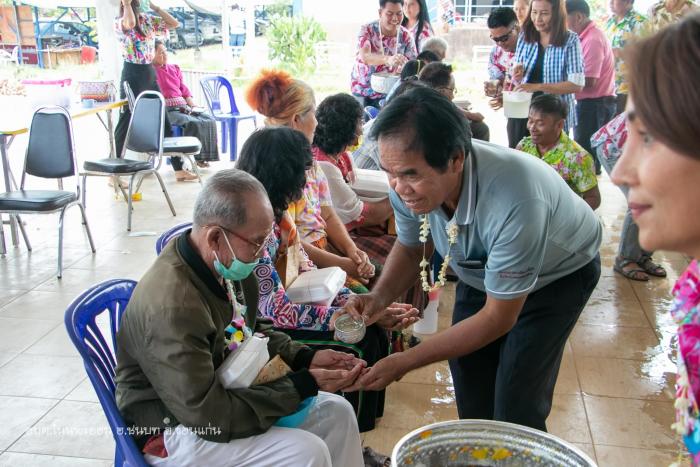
[[613, 398]]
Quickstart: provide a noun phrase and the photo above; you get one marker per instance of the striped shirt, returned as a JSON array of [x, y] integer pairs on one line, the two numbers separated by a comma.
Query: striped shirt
[[560, 64]]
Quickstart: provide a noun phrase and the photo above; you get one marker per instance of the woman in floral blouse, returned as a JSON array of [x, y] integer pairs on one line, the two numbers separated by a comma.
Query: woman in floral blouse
[[137, 32], [417, 20], [285, 101], [661, 167], [279, 157]]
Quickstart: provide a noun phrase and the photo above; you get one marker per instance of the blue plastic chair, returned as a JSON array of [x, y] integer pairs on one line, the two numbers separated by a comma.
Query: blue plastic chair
[[169, 234], [109, 297], [229, 121], [371, 112]]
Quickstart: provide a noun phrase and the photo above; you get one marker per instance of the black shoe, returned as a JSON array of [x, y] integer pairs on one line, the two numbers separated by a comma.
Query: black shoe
[[373, 459]]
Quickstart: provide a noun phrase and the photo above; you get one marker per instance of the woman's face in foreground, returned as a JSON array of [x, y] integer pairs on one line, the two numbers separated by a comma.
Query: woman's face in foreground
[[664, 190]]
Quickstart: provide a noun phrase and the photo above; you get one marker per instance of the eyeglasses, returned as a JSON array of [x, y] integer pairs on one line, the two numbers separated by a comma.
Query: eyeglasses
[[504, 37], [258, 246]]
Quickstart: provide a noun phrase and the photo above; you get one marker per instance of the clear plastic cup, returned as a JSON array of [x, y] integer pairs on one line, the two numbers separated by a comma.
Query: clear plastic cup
[[349, 329]]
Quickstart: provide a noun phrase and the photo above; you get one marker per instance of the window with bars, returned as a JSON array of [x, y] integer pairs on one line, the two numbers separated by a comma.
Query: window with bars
[[472, 10]]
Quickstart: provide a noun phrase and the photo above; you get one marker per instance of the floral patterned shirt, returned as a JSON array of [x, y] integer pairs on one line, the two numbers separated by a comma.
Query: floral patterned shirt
[[660, 17], [500, 61], [619, 34], [686, 314], [137, 48], [425, 34], [569, 159], [306, 212], [370, 34], [610, 140], [274, 303]]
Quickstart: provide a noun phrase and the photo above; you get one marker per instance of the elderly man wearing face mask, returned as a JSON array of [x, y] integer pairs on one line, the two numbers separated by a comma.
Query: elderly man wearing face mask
[[173, 337]]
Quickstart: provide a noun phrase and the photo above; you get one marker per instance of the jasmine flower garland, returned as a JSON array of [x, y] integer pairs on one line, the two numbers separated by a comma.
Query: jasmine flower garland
[[452, 230]]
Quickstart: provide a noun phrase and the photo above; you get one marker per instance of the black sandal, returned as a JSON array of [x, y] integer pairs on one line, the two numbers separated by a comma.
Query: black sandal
[[651, 268], [632, 273], [374, 459]]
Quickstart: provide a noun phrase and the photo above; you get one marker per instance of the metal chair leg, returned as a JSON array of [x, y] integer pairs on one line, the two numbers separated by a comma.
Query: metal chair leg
[[87, 227], [3, 246], [129, 203], [84, 190], [24, 232], [138, 185], [195, 168], [165, 192], [60, 242]]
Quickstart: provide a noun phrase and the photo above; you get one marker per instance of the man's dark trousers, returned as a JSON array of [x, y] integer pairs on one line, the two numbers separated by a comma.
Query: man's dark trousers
[[593, 114], [512, 379]]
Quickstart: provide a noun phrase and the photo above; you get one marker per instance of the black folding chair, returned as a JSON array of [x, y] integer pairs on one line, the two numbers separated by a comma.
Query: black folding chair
[[145, 135], [51, 155]]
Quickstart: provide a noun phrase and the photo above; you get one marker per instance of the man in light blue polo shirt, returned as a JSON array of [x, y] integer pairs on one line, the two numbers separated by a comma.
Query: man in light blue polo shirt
[[524, 247]]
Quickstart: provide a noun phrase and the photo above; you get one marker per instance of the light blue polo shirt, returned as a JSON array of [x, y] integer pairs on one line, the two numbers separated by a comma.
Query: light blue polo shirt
[[516, 217]]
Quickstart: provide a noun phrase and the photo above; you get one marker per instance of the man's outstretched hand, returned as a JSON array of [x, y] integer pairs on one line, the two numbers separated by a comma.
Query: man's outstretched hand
[[328, 359]]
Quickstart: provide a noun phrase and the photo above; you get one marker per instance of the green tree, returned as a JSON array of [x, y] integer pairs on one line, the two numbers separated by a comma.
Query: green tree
[[291, 42]]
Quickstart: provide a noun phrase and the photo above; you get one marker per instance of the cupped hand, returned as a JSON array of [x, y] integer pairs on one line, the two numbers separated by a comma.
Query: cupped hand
[[328, 359], [398, 316], [336, 380], [496, 103]]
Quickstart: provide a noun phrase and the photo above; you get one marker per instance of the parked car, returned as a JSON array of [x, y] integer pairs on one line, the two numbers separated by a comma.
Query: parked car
[[208, 27], [61, 33]]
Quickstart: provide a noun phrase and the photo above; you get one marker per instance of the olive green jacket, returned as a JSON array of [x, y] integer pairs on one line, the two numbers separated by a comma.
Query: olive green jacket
[[171, 341]]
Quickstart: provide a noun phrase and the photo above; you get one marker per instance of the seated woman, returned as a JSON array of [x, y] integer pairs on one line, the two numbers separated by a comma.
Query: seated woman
[[439, 76], [367, 155], [285, 101], [339, 127], [178, 100], [279, 158]]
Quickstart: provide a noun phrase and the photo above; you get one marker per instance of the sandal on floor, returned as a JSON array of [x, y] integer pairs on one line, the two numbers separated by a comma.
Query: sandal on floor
[[373, 459], [203, 164], [632, 273], [651, 268], [185, 176]]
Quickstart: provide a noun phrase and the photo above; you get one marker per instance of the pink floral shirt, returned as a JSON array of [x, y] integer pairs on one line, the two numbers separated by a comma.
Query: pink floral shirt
[[425, 34], [137, 48], [686, 314], [371, 34], [500, 62], [306, 212]]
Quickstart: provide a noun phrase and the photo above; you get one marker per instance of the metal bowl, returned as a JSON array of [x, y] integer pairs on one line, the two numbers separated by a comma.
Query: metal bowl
[[467, 443]]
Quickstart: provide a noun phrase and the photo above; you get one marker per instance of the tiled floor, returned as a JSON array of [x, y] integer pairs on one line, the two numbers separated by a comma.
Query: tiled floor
[[613, 398]]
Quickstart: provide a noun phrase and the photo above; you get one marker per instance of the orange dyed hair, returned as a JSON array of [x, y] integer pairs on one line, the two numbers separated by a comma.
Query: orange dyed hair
[[278, 96]]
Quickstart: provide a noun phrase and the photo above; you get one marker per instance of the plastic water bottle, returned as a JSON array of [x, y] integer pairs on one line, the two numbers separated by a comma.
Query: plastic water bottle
[[429, 323]]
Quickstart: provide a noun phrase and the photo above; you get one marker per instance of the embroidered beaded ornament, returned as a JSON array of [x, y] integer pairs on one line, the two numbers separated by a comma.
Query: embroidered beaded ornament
[[452, 230]]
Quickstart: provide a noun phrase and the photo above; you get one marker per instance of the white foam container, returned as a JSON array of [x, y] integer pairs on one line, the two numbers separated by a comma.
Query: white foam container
[[317, 287], [382, 82], [371, 183], [241, 366], [43, 92], [516, 104]]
